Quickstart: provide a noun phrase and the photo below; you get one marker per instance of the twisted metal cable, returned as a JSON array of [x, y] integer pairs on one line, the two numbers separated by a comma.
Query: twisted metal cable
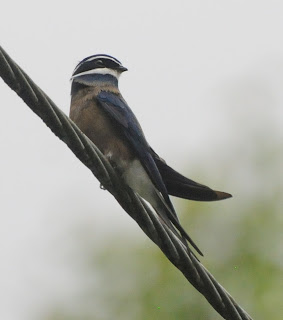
[[135, 206]]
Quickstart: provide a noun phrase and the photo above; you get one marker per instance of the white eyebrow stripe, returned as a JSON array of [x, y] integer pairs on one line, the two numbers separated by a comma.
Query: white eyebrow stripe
[[96, 57], [103, 57], [112, 72]]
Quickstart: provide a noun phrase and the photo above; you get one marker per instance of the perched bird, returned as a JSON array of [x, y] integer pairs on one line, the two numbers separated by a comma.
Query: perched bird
[[100, 111]]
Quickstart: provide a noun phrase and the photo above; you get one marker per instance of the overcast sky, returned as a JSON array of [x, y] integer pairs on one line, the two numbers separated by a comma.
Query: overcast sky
[[196, 70]]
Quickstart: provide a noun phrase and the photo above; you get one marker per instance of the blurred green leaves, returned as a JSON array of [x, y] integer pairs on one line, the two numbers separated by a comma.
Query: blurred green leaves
[[241, 240]]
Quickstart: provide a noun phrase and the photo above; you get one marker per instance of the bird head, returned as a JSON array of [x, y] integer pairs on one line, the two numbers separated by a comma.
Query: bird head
[[96, 67]]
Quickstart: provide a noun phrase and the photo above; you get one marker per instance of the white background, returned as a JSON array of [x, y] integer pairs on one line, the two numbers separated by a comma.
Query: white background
[[198, 72]]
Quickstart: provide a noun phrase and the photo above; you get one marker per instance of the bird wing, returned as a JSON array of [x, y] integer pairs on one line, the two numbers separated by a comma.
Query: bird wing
[[126, 122], [118, 110], [179, 186]]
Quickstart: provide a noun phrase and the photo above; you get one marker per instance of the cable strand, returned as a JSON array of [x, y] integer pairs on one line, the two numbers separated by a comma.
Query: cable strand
[[137, 208]]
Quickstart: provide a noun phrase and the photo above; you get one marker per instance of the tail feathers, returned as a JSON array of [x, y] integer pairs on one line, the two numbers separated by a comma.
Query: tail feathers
[[222, 195], [179, 186], [171, 220]]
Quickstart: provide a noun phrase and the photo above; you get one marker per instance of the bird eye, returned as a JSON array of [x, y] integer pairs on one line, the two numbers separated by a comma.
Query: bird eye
[[99, 63]]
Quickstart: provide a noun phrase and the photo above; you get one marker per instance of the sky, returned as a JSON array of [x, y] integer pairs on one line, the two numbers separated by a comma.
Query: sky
[[198, 72]]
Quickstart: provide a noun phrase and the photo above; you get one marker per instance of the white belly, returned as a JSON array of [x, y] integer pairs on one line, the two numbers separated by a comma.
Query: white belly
[[137, 179]]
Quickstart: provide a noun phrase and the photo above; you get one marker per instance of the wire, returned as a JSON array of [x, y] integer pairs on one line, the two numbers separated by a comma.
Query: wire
[[136, 207]]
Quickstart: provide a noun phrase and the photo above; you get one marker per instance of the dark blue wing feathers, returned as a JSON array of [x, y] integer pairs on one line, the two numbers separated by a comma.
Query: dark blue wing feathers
[[118, 109]]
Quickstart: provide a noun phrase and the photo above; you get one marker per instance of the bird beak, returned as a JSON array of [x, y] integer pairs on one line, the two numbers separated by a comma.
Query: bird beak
[[122, 69]]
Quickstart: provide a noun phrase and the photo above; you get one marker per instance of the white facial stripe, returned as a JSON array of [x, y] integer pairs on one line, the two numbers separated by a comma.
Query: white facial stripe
[[102, 57], [97, 57], [112, 72], [94, 58]]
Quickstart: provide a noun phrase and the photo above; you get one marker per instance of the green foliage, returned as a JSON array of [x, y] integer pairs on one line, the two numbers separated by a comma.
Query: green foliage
[[241, 241], [138, 282]]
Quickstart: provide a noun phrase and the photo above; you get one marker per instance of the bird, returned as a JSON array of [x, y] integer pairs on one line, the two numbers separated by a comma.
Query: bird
[[102, 114]]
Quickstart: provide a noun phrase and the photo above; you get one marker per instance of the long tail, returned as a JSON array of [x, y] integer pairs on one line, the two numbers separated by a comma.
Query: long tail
[[171, 220], [179, 186]]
